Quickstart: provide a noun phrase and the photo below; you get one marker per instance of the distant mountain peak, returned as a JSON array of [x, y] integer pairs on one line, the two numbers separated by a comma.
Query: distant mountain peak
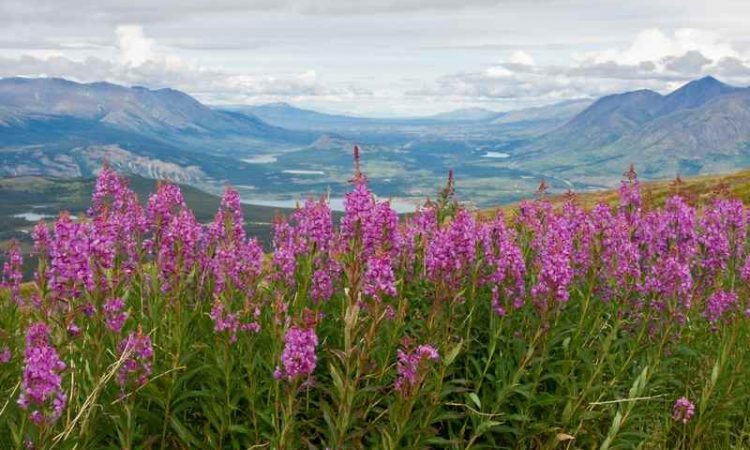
[[284, 105], [703, 84], [700, 127], [694, 94]]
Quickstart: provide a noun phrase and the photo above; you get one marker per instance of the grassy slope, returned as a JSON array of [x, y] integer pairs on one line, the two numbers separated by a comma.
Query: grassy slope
[[698, 190]]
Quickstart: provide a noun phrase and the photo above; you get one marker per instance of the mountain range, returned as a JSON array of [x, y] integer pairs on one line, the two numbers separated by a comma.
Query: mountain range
[[530, 120], [702, 127], [51, 126], [137, 109], [56, 127]]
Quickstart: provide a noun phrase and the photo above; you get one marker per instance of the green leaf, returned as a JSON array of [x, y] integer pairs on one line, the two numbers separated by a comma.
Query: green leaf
[[453, 353], [475, 398]]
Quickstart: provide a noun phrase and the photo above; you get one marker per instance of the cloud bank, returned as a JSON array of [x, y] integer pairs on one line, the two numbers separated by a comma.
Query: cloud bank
[[385, 57], [653, 60]]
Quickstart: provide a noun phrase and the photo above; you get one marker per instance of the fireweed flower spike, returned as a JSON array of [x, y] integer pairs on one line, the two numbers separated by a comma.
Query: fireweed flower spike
[[298, 360], [722, 232], [411, 366], [114, 314], [41, 390], [163, 204], [179, 251], [137, 366], [12, 276], [453, 249], [505, 263], [554, 263], [70, 270], [119, 221], [379, 279], [683, 410], [718, 304]]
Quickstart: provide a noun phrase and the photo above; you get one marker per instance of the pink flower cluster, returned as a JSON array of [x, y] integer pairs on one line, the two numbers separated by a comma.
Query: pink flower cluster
[[41, 390], [12, 276], [683, 410], [115, 314], [138, 356], [230, 323], [452, 251], [70, 265], [298, 360], [411, 366], [718, 304]]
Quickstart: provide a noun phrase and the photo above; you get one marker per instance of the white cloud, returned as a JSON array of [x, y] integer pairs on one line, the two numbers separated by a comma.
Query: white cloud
[[653, 45], [140, 61], [653, 60], [135, 48], [521, 57]]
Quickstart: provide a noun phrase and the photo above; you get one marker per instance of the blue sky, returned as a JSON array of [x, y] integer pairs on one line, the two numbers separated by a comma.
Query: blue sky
[[380, 58]]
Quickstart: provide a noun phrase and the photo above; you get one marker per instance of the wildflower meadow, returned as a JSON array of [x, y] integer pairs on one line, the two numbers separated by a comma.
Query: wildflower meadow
[[540, 327]]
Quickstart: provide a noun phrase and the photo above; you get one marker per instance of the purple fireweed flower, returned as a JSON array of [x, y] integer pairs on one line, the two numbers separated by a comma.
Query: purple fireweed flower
[[416, 232], [380, 232], [452, 252], [411, 366], [619, 267], [41, 236], [234, 260], [683, 410], [223, 322], [367, 222], [228, 226], [533, 215], [630, 198], [119, 220], [163, 204], [722, 233], [230, 323], [114, 314], [179, 251], [358, 206], [504, 261], [286, 247], [670, 243], [745, 272], [375, 223], [554, 250], [379, 278], [718, 304], [321, 287], [231, 206], [581, 228], [670, 277], [70, 270], [138, 359], [298, 360], [670, 230], [308, 232], [12, 275], [237, 267], [313, 226], [73, 329], [41, 390]]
